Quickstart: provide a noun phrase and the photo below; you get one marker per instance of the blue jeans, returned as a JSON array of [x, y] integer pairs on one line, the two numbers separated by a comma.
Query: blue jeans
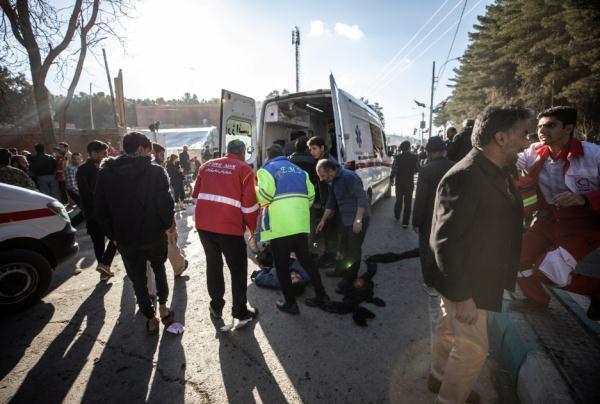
[[48, 185]]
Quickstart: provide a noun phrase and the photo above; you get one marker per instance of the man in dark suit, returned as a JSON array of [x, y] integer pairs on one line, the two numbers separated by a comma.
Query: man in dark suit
[[461, 143], [429, 178], [476, 239]]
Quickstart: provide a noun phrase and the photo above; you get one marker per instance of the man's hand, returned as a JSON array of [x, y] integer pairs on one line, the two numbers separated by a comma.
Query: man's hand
[[466, 312], [566, 199], [357, 227], [172, 228], [320, 227]]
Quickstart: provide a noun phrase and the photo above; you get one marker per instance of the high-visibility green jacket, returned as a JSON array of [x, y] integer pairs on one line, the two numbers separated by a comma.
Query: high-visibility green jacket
[[285, 194]]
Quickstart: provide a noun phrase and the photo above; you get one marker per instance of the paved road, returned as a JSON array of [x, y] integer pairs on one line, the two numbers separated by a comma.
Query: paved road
[[86, 341]]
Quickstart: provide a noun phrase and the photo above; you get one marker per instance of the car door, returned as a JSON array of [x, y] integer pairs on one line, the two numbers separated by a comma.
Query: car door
[[238, 121]]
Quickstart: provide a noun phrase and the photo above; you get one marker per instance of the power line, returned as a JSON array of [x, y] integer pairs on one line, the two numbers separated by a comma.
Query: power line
[[452, 44], [393, 59], [373, 84], [381, 87]]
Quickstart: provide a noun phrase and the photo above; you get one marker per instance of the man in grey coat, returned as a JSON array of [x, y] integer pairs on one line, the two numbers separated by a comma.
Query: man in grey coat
[[476, 240]]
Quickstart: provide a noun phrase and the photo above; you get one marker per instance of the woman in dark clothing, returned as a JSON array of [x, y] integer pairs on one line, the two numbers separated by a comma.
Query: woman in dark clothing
[[176, 178]]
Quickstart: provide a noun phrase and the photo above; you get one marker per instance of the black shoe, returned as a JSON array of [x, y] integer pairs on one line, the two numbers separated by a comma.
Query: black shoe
[[593, 312], [525, 305], [291, 308], [321, 302]]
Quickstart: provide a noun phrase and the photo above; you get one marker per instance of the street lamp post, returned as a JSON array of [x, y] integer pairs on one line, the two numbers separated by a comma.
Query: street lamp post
[[434, 80]]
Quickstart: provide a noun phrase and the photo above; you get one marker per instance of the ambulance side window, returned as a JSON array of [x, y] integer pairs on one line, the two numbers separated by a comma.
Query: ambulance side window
[[241, 130], [378, 141]]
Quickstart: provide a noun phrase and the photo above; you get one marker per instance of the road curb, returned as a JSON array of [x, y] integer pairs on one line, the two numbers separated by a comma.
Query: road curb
[[521, 357]]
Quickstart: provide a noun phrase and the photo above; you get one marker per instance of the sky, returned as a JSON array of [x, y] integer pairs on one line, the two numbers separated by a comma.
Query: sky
[[380, 50]]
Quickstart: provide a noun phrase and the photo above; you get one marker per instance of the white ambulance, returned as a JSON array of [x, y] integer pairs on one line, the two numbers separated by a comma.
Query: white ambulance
[[352, 131], [35, 236]]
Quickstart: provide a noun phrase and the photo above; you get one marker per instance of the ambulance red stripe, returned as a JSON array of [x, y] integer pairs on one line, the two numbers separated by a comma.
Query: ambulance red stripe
[[25, 215]]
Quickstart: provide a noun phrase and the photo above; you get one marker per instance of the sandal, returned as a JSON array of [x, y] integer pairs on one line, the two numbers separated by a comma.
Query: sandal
[[151, 331], [168, 319]]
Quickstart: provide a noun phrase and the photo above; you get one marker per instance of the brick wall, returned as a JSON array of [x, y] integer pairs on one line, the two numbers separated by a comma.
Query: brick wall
[[179, 116], [25, 138]]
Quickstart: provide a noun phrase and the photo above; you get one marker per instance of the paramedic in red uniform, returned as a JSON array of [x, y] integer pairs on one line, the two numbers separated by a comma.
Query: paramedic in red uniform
[[567, 226], [225, 207]]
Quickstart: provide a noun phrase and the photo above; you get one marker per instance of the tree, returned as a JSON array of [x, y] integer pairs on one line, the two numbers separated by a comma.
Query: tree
[[46, 34], [375, 107], [535, 53], [276, 93], [16, 103]]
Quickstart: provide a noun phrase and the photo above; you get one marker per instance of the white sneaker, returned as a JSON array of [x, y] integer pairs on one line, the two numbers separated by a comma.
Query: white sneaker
[[430, 291]]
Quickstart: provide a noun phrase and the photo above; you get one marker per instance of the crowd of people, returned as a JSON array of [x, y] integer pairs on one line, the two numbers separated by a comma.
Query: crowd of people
[[492, 209]]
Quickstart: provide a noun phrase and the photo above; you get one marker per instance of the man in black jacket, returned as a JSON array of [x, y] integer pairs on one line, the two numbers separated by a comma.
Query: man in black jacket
[[135, 209], [429, 178], [404, 168], [43, 167], [86, 184], [461, 143], [476, 239]]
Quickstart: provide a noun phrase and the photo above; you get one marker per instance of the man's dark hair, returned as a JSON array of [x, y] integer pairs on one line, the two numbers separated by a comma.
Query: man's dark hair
[[133, 140], [295, 135], [39, 148], [4, 157], [96, 146], [405, 146], [64, 144], [451, 129], [274, 150], [316, 141], [14, 160], [496, 119], [327, 165], [567, 115], [76, 154], [13, 151], [300, 145]]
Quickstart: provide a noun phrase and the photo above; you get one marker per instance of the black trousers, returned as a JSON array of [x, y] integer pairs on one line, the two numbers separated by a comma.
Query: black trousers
[[427, 258], [404, 195], [178, 192], [281, 249], [104, 253], [234, 249], [135, 258], [350, 250]]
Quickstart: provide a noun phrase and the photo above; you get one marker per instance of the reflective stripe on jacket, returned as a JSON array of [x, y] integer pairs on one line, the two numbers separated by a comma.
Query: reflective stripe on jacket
[[226, 200], [285, 193]]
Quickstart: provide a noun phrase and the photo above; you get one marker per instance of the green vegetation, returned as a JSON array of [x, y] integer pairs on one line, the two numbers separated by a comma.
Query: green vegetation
[[535, 53]]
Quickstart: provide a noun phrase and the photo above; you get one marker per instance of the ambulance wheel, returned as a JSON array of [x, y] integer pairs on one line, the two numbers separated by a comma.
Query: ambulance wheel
[[25, 278]]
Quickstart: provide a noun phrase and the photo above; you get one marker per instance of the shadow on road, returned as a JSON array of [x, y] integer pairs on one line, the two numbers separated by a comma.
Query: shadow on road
[[56, 371], [125, 367], [169, 383], [245, 370], [16, 338]]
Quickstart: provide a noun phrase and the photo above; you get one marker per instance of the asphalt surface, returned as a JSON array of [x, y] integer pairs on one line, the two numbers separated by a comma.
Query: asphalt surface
[[86, 342]]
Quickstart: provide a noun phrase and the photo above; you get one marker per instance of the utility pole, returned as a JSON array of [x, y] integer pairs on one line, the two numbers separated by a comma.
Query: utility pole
[[431, 102], [296, 43], [110, 87], [91, 109]]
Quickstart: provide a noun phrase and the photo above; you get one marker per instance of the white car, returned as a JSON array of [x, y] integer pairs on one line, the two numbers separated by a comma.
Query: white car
[[35, 236]]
